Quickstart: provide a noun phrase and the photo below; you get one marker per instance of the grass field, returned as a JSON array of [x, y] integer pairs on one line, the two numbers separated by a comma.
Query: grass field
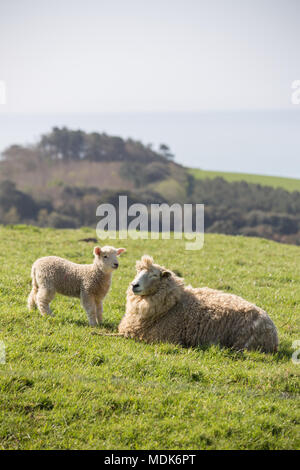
[[289, 184], [64, 386]]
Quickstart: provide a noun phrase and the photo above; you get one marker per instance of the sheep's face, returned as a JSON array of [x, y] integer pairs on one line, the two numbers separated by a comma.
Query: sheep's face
[[149, 277], [107, 256]]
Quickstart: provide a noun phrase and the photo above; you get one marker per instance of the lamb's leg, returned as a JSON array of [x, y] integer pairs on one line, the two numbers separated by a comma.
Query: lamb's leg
[[90, 307], [99, 312], [31, 302], [43, 299]]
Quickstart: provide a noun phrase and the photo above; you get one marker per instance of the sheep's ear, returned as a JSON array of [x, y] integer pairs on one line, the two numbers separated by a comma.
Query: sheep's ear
[[147, 260], [97, 251], [138, 265], [120, 250], [166, 273]]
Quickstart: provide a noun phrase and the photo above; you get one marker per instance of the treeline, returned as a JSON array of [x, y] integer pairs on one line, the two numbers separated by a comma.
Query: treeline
[[72, 207], [241, 208], [247, 196], [63, 144], [237, 208], [234, 213]]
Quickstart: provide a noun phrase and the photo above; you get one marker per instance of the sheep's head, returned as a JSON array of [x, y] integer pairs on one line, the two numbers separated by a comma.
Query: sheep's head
[[149, 277], [107, 257]]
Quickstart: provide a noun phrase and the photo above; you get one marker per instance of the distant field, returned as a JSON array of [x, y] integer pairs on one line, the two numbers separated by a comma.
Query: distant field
[[64, 387], [290, 184]]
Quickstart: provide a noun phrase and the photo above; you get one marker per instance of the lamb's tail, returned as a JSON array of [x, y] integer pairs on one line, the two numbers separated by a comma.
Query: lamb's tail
[[31, 302]]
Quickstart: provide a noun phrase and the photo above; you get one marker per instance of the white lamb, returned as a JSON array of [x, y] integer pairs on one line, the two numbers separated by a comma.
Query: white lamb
[[89, 282]]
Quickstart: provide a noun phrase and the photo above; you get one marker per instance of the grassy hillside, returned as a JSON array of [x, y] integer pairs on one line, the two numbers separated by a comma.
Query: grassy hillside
[[65, 385], [289, 184], [60, 181]]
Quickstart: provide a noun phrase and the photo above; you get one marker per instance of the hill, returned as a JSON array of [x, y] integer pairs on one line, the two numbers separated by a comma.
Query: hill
[[65, 385], [62, 179], [289, 184]]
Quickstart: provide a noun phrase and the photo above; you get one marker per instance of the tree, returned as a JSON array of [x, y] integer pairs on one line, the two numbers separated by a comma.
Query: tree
[[64, 144], [166, 152], [11, 198]]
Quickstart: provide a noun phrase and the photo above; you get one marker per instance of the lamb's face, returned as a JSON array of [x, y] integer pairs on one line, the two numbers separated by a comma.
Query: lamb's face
[[108, 257]]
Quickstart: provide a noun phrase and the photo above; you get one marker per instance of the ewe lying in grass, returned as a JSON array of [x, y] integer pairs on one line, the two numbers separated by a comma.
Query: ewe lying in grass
[[161, 309], [89, 282]]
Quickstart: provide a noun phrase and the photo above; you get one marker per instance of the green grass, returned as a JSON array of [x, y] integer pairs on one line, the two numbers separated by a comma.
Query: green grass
[[289, 184], [63, 386]]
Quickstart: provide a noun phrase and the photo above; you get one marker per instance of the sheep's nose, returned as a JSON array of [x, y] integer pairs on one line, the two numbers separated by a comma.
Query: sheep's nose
[[116, 265], [135, 285]]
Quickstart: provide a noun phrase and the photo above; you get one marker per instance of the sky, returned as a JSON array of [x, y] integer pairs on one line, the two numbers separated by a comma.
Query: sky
[[148, 56]]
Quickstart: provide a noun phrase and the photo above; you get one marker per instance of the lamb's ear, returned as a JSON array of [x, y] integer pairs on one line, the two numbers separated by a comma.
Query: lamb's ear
[[97, 251], [120, 250], [166, 273]]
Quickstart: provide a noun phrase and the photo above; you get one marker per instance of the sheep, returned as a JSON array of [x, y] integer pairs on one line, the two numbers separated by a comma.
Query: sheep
[[89, 282], [160, 308]]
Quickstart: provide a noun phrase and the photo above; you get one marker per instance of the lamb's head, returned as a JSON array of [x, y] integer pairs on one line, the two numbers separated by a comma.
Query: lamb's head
[[107, 257], [149, 277]]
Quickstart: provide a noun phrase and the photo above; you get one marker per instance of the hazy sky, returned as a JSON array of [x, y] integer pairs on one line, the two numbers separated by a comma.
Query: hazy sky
[[158, 55]]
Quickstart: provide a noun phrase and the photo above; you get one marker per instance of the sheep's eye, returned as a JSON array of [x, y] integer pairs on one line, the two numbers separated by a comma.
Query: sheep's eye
[[105, 256]]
